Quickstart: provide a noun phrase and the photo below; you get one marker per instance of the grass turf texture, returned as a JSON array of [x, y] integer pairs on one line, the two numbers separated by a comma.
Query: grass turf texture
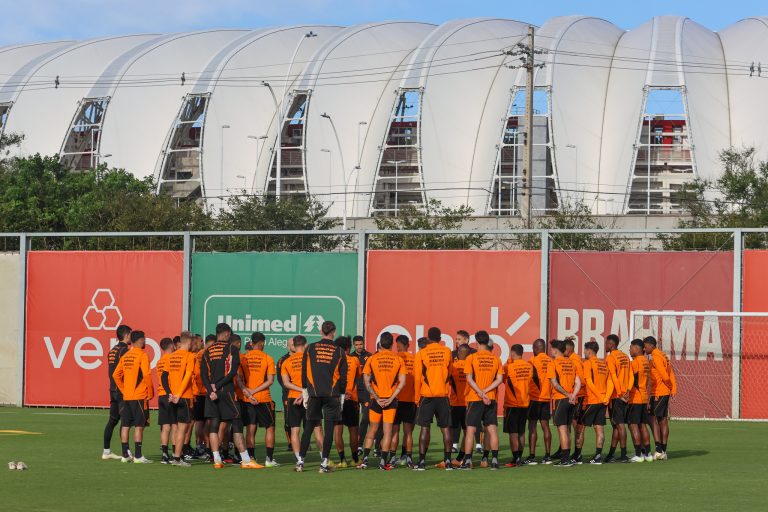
[[712, 466]]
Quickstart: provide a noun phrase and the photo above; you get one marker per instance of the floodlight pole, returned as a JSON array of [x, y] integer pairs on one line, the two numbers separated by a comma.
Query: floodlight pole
[[525, 206], [343, 169]]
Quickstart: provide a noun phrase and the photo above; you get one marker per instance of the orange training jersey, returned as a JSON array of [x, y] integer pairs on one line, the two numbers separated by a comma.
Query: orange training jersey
[[257, 365], [662, 377], [353, 372], [385, 369], [132, 375], [484, 367], [518, 379], [621, 375], [578, 362], [458, 383], [541, 387], [292, 368], [597, 380], [161, 367], [181, 366], [197, 379], [564, 371], [407, 393], [431, 370], [641, 372]]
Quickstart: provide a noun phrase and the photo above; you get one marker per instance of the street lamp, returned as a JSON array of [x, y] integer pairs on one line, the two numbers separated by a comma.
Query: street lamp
[[343, 171], [281, 107], [396, 162], [258, 157], [221, 169], [576, 159], [330, 172]]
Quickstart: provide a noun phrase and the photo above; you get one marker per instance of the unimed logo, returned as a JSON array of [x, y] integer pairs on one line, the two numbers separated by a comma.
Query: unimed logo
[[102, 314]]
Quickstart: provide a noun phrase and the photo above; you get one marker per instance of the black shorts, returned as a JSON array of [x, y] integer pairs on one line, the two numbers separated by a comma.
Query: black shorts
[[480, 415], [295, 415], [285, 416], [594, 414], [224, 408], [134, 413], [618, 411], [578, 410], [198, 408], [350, 413], [165, 411], [261, 414], [563, 414], [539, 411], [406, 413], [660, 407], [324, 407], [430, 407], [458, 416], [115, 401], [515, 420], [638, 414], [182, 411]]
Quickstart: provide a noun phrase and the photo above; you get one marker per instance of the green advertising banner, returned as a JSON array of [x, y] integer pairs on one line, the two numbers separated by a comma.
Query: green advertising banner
[[278, 294]]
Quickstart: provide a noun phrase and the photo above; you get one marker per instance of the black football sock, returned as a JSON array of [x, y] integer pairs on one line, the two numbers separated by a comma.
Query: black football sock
[[623, 451], [137, 449], [460, 455], [126, 449], [468, 457], [638, 450], [342, 456], [447, 457], [648, 449], [598, 451], [271, 453], [659, 447], [495, 455], [251, 452], [576, 453], [392, 455], [485, 454], [612, 451], [422, 457], [402, 452], [565, 457], [164, 449], [366, 452]]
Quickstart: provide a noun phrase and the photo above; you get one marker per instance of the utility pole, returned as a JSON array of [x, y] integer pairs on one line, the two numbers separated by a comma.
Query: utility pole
[[526, 53]]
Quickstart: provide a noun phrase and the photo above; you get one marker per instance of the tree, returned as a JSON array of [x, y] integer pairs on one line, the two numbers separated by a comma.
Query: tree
[[432, 216], [737, 199]]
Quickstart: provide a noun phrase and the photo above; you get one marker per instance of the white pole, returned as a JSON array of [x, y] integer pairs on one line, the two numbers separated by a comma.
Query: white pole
[[341, 158], [221, 169]]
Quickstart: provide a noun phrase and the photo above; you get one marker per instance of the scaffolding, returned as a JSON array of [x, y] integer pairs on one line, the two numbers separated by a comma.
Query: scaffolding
[[81, 147], [5, 109], [293, 164]]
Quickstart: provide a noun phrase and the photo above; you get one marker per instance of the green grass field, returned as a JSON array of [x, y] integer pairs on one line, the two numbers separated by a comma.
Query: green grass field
[[712, 466]]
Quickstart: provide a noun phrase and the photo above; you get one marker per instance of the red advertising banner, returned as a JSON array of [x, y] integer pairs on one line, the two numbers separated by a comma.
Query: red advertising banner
[[754, 336], [76, 300], [592, 295]]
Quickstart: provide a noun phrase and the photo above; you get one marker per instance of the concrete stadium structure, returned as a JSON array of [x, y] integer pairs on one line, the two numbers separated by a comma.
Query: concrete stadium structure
[[381, 115]]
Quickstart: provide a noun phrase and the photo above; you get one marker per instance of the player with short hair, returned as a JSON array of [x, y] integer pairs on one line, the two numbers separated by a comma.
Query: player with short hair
[[405, 414], [599, 389], [518, 379], [539, 408], [484, 376], [362, 355], [295, 412], [202, 424], [578, 426], [324, 378], [422, 342], [638, 416], [565, 381], [123, 334], [462, 338], [133, 379], [218, 367], [165, 418], [259, 409], [621, 375], [384, 377], [458, 401], [350, 410], [284, 394], [177, 380], [663, 387], [431, 370]]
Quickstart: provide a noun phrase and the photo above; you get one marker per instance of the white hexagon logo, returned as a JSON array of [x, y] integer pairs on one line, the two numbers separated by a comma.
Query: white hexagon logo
[[102, 314]]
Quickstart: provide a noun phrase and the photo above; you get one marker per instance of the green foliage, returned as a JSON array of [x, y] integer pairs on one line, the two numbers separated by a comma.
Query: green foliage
[[433, 216], [738, 199]]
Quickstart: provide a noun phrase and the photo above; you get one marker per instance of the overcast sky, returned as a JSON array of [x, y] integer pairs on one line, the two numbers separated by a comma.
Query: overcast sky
[[37, 20]]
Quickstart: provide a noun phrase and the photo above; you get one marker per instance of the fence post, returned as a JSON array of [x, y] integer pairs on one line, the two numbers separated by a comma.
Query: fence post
[[362, 253], [738, 248], [544, 305], [186, 281], [23, 246]]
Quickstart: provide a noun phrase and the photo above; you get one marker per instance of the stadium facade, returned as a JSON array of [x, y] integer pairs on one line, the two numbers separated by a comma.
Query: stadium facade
[[382, 115]]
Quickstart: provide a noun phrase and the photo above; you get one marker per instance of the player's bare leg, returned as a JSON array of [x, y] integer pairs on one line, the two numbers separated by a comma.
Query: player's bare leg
[[370, 438]]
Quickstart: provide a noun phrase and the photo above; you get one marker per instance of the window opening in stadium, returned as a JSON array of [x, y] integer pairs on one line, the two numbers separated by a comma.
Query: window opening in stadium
[[5, 109], [507, 177], [399, 179], [663, 161], [80, 149], [293, 176], [181, 172]]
